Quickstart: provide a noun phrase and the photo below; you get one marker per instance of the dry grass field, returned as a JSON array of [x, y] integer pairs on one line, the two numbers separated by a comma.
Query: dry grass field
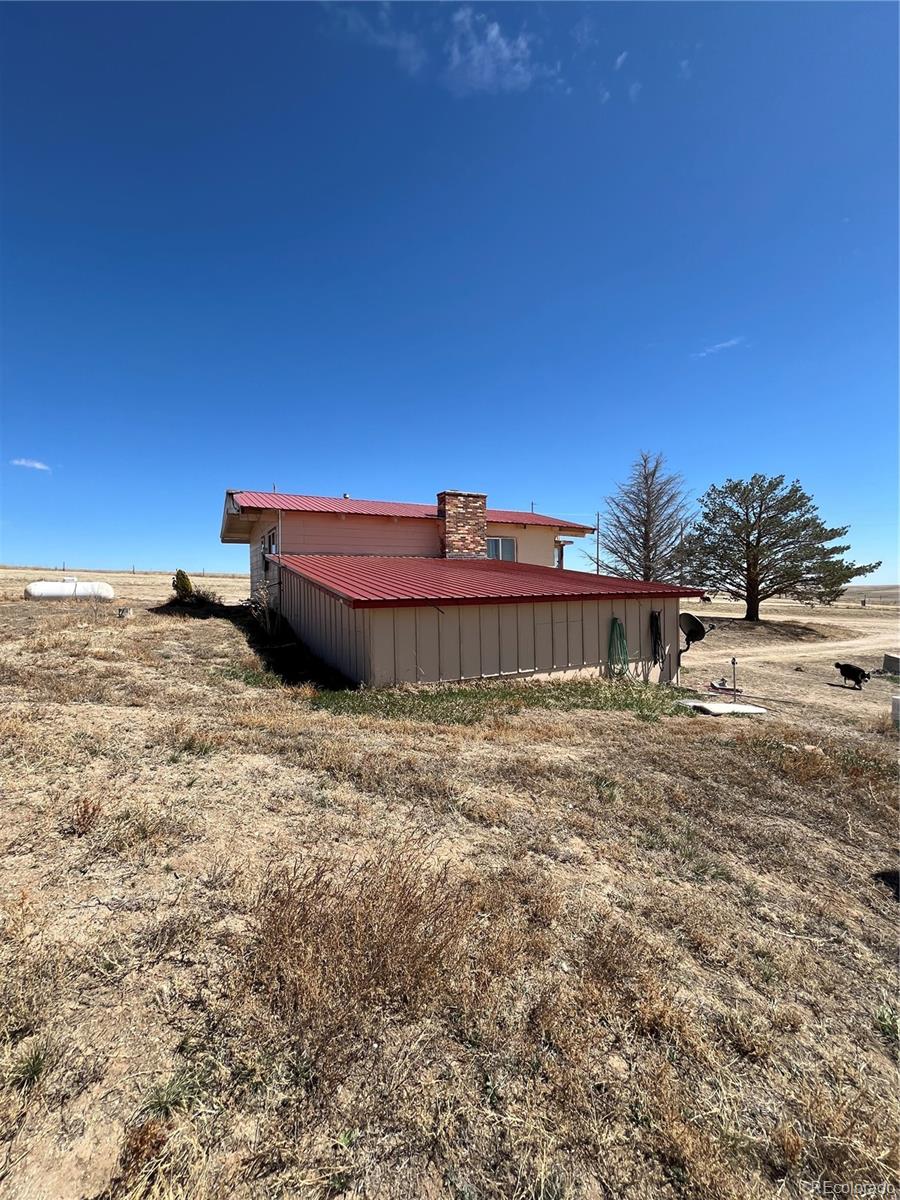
[[268, 939]]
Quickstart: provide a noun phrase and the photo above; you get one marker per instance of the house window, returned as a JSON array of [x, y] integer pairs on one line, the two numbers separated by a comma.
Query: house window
[[504, 548], [272, 541]]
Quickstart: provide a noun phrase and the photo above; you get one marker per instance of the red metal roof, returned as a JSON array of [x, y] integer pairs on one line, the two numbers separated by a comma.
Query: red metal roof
[[375, 581], [387, 508]]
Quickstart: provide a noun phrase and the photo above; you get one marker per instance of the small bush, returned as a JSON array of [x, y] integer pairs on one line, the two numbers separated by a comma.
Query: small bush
[[178, 1093], [27, 1068], [86, 812], [887, 1022], [182, 586], [207, 595]]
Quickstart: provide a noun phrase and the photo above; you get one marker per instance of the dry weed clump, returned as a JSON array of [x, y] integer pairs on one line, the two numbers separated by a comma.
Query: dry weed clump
[[127, 828], [185, 738], [86, 812], [336, 947]]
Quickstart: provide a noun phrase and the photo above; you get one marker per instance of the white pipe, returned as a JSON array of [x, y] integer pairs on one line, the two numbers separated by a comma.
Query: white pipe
[[67, 589]]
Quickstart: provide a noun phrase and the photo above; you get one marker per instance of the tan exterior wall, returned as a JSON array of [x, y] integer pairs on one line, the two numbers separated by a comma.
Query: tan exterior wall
[[334, 632], [427, 645], [328, 533], [257, 574], [384, 646], [534, 543]]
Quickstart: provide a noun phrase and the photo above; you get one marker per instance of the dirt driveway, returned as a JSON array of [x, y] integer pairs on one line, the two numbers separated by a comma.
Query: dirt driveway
[[787, 659]]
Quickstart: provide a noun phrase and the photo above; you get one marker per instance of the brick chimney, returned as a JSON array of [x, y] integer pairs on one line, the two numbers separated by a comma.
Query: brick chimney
[[463, 524]]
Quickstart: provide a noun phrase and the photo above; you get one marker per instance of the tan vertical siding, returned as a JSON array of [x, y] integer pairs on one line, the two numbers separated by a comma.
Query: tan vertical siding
[[489, 620], [450, 662], [543, 636], [470, 642], [334, 632], [405, 645], [426, 644], [509, 639], [525, 633]]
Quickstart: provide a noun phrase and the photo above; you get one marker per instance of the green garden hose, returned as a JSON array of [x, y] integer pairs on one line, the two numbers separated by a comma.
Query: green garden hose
[[617, 658]]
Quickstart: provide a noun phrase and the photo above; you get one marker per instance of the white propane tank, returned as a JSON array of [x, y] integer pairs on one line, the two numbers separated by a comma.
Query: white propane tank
[[68, 589]]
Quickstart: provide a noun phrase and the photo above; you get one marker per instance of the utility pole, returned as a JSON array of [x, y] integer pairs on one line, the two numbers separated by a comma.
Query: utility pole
[[597, 540]]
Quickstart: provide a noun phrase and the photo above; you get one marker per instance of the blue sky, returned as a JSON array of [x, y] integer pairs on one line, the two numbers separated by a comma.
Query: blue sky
[[390, 249]]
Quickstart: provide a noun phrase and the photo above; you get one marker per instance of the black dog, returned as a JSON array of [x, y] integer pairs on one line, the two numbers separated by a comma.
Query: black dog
[[856, 675]]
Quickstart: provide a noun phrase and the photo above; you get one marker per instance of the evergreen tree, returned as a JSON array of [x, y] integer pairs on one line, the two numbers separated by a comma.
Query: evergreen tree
[[759, 538]]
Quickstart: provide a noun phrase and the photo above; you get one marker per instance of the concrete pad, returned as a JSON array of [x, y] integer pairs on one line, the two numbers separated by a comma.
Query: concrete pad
[[717, 708]]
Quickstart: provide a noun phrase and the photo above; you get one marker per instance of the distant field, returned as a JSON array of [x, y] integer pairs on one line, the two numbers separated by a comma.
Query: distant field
[[885, 593], [140, 585]]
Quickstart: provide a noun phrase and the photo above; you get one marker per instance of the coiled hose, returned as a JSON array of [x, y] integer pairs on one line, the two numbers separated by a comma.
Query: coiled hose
[[617, 657]]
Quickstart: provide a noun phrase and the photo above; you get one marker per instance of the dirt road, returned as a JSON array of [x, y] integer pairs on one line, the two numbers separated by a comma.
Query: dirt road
[[788, 658]]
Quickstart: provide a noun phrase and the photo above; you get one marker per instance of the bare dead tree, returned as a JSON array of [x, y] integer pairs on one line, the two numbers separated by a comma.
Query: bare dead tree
[[644, 522]]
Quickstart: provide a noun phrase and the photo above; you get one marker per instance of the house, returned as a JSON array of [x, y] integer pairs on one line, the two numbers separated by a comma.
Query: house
[[388, 592]]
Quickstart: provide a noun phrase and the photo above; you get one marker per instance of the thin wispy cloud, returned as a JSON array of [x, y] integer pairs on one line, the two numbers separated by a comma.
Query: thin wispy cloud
[[467, 52], [684, 69], [406, 45], [718, 347], [32, 464], [584, 34], [634, 90], [481, 58], [620, 60]]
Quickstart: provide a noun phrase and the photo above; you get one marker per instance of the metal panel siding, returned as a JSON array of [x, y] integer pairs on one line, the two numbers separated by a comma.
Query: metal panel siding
[[330, 630], [424, 644], [469, 643], [450, 644], [574, 635], [560, 614], [672, 635], [633, 630], [525, 617], [405, 645], [509, 639], [590, 632], [381, 646], [428, 649], [543, 637], [604, 622], [489, 619]]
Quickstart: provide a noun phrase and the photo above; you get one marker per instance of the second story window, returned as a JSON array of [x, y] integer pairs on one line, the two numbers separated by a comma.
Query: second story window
[[501, 547]]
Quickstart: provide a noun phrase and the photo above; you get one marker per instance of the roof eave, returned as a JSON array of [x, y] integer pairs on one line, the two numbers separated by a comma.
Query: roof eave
[[233, 532], [461, 601]]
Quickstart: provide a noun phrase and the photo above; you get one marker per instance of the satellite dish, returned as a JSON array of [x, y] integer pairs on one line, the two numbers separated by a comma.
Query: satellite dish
[[693, 629]]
